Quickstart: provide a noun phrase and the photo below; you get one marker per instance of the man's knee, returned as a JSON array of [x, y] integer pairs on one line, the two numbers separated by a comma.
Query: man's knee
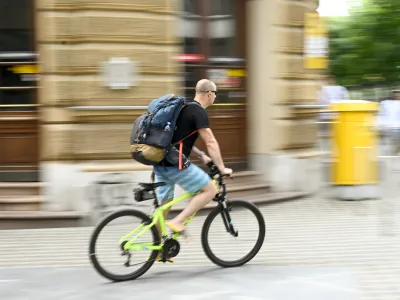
[[210, 188]]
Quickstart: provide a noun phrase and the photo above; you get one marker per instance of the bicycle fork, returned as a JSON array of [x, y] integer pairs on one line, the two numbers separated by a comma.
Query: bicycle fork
[[226, 217]]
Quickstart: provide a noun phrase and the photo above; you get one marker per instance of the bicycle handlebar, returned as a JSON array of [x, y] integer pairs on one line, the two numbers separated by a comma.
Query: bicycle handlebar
[[214, 171]]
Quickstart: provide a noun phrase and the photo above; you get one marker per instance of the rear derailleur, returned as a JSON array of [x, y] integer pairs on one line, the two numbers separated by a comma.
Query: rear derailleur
[[126, 253]]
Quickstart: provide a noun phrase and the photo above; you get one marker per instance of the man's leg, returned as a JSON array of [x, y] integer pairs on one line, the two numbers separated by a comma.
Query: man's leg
[[391, 142], [165, 194], [165, 213], [397, 142], [192, 180]]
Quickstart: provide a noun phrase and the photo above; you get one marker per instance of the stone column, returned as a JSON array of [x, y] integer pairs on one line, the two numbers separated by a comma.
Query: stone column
[[280, 138], [74, 37]]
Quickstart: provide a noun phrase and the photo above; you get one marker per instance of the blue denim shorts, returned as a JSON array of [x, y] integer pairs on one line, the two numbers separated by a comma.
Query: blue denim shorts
[[191, 180]]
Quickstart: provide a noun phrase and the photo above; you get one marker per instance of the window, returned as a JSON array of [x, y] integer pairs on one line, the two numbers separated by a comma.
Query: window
[[213, 34], [222, 28], [17, 59], [16, 25], [16, 87]]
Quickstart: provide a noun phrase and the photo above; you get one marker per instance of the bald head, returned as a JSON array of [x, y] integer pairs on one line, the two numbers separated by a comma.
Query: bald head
[[205, 85], [206, 92]]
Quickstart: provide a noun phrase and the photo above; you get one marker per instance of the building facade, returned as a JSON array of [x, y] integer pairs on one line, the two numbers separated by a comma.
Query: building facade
[[68, 121]]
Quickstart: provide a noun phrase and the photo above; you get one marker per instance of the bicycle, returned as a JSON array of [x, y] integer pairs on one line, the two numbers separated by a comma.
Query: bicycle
[[168, 245]]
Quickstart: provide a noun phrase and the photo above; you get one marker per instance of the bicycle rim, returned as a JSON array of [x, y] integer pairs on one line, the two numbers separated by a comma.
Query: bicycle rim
[[254, 247], [138, 269]]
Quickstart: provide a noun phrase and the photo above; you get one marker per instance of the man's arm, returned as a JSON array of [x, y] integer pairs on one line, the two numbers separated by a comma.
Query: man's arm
[[382, 115], [212, 147], [346, 95], [204, 158], [197, 151]]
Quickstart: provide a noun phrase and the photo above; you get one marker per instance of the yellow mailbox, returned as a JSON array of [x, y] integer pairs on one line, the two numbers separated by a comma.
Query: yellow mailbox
[[355, 148]]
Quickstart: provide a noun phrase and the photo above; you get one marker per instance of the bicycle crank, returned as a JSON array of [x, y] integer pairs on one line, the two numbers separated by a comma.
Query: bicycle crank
[[171, 249]]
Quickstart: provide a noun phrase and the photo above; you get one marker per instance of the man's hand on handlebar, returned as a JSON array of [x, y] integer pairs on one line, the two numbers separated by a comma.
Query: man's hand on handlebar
[[214, 170], [227, 172], [205, 159]]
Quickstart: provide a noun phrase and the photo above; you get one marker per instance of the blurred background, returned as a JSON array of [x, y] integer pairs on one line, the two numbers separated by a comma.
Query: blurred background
[[75, 74]]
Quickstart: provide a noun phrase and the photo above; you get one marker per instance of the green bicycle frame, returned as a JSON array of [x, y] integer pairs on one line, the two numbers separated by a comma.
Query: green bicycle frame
[[157, 216]]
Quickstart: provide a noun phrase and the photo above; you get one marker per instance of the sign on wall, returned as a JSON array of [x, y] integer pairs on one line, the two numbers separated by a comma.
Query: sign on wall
[[315, 42], [119, 73]]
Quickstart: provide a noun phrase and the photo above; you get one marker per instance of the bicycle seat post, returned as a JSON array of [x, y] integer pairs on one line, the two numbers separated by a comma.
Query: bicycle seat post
[[155, 202]]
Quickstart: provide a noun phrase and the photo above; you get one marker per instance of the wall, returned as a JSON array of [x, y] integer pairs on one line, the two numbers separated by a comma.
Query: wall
[[278, 135], [74, 38]]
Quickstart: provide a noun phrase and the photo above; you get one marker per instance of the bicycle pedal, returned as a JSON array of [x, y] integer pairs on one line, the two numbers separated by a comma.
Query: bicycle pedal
[[186, 237], [164, 260]]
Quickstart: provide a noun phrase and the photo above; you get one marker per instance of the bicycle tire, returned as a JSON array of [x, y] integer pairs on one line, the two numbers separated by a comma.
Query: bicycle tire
[[92, 247], [210, 218]]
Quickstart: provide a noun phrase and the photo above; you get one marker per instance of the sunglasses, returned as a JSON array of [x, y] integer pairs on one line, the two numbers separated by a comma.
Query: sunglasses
[[215, 92]]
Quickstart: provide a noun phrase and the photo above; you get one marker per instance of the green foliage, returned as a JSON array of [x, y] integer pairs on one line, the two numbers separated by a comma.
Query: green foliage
[[365, 46]]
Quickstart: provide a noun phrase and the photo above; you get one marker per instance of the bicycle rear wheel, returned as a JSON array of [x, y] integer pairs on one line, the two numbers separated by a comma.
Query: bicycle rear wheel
[[112, 243], [228, 227]]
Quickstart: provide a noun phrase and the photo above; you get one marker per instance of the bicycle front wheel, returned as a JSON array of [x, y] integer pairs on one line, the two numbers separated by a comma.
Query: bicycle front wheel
[[106, 252], [242, 223]]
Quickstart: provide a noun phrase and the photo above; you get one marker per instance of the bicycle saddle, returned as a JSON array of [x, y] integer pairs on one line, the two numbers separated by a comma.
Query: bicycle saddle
[[151, 186]]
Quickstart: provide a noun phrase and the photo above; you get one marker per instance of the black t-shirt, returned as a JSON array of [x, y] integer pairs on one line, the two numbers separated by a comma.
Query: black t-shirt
[[191, 118]]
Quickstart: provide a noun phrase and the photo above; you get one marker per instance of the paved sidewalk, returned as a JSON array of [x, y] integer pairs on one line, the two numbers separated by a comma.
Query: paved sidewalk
[[312, 236], [201, 283]]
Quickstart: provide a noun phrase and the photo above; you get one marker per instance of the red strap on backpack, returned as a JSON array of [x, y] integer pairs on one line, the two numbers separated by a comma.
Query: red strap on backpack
[[181, 148], [180, 155]]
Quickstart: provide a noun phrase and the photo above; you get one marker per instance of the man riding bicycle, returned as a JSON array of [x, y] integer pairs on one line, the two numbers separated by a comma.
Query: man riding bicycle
[[192, 118], [189, 122]]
